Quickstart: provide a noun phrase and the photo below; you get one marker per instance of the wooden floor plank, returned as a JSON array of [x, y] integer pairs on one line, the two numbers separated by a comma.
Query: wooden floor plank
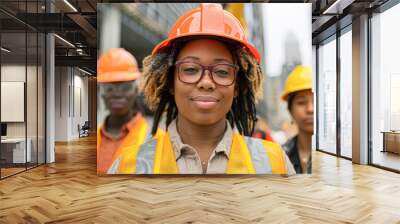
[[69, 191]]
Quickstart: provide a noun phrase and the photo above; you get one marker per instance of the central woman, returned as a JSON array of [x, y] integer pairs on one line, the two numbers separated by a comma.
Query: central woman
[[203, 82]]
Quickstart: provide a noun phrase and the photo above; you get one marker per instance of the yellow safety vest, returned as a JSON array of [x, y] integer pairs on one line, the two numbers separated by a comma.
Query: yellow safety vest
[[136, 136], [247, 156]]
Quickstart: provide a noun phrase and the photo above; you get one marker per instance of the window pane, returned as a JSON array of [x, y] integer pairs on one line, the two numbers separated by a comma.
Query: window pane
[[327, 97], [386, 88], [346, 94], [14, 153]]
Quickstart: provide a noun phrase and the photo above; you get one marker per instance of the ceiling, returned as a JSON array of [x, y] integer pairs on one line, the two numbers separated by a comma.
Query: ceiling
[[72, 20], [328, 16]]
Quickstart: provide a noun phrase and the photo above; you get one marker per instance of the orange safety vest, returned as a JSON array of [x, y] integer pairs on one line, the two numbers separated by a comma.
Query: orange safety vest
[[247, 156], [136, 136]]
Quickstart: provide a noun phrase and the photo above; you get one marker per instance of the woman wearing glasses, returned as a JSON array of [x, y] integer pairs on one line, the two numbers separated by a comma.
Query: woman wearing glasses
[[205, 79]]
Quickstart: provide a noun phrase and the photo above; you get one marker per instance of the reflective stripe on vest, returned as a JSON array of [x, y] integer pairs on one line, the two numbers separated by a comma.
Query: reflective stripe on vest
[[247, 156], [259, 158], [277, 157], [136, 136], [143, 154]]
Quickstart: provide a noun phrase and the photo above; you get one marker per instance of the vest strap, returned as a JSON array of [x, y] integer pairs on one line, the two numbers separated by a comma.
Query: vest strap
[[259, 156], [247, 156], [129, 148], [239, 157], [276, 157]]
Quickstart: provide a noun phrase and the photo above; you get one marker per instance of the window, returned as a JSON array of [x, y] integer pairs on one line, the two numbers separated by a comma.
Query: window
[[385, 89], [22, 76], [327, 96], [346, 94]]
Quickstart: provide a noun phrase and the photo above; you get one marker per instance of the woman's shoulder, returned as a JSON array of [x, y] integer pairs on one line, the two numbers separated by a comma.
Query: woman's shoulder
[[152, 140], [271, 150], [128, 151], [290, 145], [268, 145]]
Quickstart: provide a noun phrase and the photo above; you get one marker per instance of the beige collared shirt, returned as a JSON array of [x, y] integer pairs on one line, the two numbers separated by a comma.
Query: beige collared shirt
[[188, 160]]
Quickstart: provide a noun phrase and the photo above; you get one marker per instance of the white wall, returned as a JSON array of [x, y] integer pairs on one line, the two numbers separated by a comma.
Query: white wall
[[71, 94], [16, 73], [80, 100], [33, 126], [61, 103]]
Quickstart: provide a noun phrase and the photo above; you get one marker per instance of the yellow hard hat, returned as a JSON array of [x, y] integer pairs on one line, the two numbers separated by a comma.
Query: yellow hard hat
[[299, 79]]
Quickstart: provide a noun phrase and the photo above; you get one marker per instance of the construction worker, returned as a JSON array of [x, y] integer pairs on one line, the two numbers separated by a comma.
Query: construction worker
[[300, 101], [118, 74], [206, 78]]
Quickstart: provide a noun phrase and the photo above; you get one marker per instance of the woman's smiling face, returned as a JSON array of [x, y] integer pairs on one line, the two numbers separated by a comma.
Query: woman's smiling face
[[204, 102]]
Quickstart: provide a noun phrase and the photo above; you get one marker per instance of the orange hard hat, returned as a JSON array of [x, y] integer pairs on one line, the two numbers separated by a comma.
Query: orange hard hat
[[117, 65], [209, 19]]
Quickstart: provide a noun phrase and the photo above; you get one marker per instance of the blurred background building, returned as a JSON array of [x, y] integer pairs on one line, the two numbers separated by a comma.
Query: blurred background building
[[137, 27]]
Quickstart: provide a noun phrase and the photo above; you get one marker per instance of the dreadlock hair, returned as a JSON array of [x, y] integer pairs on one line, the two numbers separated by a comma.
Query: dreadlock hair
[[158, 81]]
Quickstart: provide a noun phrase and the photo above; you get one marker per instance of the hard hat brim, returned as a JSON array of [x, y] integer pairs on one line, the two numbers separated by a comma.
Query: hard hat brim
[[285, 96], [111, 77], [167, 43]]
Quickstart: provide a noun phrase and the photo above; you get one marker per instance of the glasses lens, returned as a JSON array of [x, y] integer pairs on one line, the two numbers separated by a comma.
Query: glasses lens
[[108, 88], [224, 74], [121, 87], [126, 87], [189, 72]]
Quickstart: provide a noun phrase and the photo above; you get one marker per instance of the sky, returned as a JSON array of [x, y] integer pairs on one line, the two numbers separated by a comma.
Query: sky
[[285, 22]]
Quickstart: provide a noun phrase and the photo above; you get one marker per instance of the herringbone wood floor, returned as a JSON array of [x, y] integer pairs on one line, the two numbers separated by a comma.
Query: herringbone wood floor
[[70, 192]]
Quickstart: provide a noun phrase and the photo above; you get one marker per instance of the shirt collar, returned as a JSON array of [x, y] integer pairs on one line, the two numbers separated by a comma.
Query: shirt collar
[[224, 146]]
